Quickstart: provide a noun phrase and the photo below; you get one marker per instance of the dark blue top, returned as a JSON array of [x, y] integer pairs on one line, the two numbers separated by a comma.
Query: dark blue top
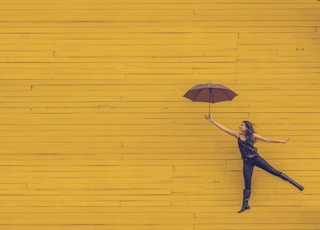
[[247, 149]]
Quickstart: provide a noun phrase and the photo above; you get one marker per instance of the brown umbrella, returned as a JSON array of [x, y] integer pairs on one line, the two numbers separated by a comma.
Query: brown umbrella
[[211, 93]]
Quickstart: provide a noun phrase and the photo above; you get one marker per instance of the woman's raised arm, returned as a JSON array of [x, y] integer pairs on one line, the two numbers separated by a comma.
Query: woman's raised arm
[[223, 128]]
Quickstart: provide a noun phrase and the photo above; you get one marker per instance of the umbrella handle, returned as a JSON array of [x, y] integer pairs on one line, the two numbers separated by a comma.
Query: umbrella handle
[[209, 100], [207, 116]]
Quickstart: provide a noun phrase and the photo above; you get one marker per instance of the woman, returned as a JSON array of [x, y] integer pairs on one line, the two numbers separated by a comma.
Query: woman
[[246, 138]]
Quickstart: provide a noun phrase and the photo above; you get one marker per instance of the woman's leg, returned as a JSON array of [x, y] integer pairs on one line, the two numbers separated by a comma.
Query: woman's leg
[[247, 174], [262, 163]]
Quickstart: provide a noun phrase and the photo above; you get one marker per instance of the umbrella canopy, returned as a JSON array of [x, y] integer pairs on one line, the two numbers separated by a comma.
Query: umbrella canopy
[[210, 93]]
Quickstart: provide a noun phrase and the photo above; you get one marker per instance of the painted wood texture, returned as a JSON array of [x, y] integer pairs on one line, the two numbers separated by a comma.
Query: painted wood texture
[[95, 133]]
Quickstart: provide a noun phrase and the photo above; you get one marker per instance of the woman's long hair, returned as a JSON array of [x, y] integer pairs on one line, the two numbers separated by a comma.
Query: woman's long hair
[[250, 131]]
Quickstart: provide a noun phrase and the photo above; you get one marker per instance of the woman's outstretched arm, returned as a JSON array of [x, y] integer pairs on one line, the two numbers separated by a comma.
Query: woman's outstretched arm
[[223, 128], [270, 140]]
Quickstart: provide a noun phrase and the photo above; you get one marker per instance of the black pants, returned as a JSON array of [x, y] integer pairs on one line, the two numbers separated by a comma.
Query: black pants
[[248, 165]]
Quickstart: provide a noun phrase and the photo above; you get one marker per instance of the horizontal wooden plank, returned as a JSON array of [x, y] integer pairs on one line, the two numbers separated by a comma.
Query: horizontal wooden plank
[[132, 83], [96, 227], [259, 14], [96, 27], [253, 226], [257, 23], [184, 82], [206, 4]]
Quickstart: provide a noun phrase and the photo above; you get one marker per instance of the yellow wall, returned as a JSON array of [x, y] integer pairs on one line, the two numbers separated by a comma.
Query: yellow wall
[[95, 133]]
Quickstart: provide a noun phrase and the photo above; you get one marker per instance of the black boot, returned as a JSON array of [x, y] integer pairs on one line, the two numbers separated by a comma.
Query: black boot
[[286, 178], [246, 196]]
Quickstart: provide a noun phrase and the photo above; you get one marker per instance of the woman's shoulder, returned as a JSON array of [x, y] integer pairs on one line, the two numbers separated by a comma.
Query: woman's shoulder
[[256, 136]]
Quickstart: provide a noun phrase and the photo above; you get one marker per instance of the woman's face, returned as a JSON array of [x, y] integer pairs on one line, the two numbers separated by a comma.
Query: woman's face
[[242, 127]]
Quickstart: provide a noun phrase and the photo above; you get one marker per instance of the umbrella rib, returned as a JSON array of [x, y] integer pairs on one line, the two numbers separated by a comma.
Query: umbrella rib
[[225, 93], [197, 94]]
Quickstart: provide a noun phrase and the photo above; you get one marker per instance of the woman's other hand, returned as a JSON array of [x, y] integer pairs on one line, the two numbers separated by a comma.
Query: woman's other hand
[[286, 140]]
